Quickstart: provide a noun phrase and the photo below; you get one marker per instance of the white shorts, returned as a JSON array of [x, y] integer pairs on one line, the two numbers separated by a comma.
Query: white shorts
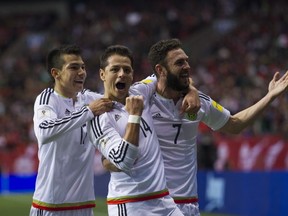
[[154, 207], [78, 212], [189, 209]]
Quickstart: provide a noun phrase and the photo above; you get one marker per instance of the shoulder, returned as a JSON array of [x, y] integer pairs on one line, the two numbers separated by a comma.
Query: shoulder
[[45, 96], [204, 97], [90, 92], [101, 122], [145, 87], [90, 95]]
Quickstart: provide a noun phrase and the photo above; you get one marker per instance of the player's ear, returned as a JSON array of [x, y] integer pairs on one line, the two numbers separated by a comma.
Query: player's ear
[[102, 74], [55, 73], [159, 70]]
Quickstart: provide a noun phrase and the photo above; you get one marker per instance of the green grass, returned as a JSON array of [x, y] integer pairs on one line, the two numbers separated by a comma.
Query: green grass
[[19, 205]]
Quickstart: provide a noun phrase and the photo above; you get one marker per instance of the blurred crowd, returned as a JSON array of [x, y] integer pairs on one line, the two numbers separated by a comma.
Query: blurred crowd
[[235, 70]]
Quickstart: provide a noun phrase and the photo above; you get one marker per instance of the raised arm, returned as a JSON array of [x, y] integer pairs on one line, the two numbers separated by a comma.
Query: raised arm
[[134, 107], [119, 150], [246, 117]]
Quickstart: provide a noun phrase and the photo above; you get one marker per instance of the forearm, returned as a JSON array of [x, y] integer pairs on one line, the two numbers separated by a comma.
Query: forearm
[[246, 117], [132, 130], [277, 86], [49, 129]]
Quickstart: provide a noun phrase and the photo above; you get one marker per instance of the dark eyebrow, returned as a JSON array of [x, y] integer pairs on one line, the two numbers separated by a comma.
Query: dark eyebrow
[[74, 64], [181, 60]]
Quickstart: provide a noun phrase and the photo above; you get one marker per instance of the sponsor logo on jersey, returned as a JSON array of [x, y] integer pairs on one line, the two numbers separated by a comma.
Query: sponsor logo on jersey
[[217, 106], [67, 112], [157, 115]]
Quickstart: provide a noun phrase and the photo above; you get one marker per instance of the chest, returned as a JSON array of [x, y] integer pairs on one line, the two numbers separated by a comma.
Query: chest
[[67, 107], [120, 119], [170, 125]]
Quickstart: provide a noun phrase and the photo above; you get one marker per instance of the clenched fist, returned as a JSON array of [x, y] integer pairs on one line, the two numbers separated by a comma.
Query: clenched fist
[[135, 105]]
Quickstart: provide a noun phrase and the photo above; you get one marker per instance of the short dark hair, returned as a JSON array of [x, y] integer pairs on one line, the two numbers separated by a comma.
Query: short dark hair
[[158, 52], [115, 49], [54, 57]]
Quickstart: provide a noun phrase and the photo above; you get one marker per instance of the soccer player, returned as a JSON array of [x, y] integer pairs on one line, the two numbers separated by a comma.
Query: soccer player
[[126, 137], [64, 184], [177, 133]]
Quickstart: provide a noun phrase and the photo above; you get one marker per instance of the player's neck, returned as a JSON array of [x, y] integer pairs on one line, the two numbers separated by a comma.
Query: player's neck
[[121, 100], [66, 94], [167, 92]]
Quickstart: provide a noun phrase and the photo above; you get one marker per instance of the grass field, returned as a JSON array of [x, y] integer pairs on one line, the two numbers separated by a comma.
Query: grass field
[[19, 205]]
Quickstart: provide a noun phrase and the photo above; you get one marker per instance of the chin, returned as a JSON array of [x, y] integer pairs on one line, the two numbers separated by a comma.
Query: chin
[[79, 89]]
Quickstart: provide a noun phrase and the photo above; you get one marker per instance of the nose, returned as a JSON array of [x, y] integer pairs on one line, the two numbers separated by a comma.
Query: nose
[[121, 72], [82, 72], [186, 65]]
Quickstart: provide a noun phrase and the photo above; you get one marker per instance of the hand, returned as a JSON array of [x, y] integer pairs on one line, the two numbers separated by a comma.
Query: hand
[[278, 85], [135, 105], [100, 106], [191, 102]]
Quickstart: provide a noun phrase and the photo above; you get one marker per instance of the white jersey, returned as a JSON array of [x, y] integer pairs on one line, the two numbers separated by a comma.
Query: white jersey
[[65, 174], [143, 170], [177, 136]]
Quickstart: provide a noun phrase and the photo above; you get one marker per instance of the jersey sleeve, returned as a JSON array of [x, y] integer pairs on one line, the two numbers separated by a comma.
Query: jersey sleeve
[[145, 87], [48, 125], [215, 115], [109, 142]]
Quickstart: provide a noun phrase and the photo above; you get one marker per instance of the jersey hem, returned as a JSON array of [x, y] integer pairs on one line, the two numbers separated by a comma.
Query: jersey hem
[[63, 206], [137, 198], [181, 200]]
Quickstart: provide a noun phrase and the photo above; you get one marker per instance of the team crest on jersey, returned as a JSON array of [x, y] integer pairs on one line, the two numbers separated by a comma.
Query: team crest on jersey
[[192, 117], [117, 117], [217, 106], [43, 113]]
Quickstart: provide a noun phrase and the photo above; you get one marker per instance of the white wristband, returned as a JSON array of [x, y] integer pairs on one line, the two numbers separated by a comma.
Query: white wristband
[[134, 119]]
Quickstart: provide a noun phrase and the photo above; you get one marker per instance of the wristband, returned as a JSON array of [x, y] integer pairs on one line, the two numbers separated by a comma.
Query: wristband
[[134, 119]]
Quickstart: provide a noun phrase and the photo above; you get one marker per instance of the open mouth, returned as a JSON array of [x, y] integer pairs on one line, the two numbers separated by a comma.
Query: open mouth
[[79, 81], [120, 85], [184, 75]]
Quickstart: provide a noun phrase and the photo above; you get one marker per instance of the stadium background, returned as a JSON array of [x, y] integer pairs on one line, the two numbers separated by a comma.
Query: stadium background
[[235, 46]]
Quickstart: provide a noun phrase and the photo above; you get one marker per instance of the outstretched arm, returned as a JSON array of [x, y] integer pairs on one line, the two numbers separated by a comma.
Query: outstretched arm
[[244, 118]]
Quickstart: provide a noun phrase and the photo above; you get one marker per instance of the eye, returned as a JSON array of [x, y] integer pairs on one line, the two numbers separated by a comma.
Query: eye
[[127, 70], [75, 67], [114, 69], [180, 62]]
